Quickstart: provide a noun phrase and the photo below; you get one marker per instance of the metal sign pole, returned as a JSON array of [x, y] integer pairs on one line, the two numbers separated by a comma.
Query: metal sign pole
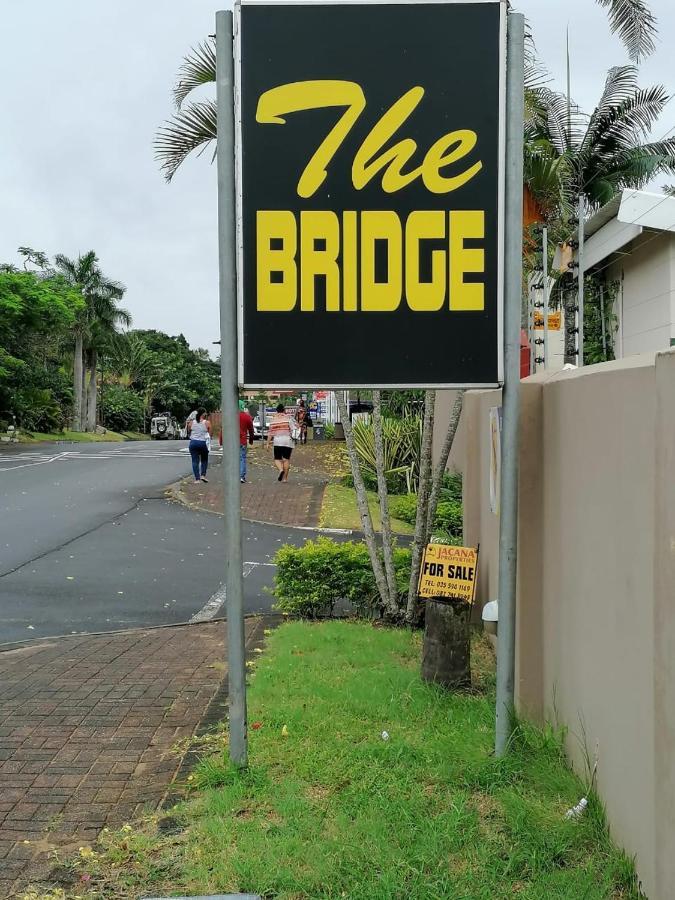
[[513, 271], [544, 266], [234, 586], [580, 301]]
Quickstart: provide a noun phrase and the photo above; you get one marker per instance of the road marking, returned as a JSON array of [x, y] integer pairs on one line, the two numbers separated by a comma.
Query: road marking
[[213, 606], [28, 465]]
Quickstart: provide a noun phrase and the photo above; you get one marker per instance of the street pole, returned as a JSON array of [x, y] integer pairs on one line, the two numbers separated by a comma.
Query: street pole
[[544, 268], [580, 297], [513, 275], [602, 322], [227, 256]]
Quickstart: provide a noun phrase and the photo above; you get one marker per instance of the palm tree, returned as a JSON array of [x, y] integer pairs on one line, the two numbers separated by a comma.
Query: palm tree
[[193, 125], [129, 360], [600, 154], [99, 319]]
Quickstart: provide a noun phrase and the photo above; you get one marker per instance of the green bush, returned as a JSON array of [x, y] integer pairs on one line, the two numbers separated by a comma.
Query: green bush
[[121, 408], [310, 580], [329, 431], [39, 410], [448, 512], [449, 517], [404, 507], [451, 489]]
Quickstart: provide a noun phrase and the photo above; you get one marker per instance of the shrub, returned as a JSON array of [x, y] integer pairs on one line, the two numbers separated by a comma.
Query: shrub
[[404, 507], [451, 488], [310, 580], [39, 410], [448, 513], [329, 431], [449, 517], [401, 445], [121, 408]]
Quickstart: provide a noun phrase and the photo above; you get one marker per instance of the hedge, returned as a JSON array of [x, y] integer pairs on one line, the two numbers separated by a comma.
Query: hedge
[[312, 579]]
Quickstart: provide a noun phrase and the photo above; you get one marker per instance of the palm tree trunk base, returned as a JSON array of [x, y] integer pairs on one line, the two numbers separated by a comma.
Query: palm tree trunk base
[[446, 653]]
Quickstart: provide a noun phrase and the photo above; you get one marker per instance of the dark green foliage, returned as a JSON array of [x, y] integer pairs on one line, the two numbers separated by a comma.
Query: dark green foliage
[[448, 523], [312, 579], [188, 378], [121, 408], [37, 314]]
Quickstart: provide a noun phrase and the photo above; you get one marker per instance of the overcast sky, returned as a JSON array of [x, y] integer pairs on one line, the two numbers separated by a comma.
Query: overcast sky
[[87, 83]]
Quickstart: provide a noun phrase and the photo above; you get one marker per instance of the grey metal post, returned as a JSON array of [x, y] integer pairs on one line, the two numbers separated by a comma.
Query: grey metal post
[[513, 272], [234, 586], [580, 298], [602, 322], [544, 267]]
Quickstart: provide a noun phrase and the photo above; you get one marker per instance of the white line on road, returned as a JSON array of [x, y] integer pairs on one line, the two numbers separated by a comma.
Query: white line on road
[[29, 465], [212, 607]]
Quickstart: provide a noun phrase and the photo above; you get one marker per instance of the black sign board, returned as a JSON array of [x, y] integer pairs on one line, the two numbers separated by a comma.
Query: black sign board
[[370, 149]]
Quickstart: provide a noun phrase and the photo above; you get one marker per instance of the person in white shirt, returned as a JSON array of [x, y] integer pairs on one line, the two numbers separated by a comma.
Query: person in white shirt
[[200, 438]]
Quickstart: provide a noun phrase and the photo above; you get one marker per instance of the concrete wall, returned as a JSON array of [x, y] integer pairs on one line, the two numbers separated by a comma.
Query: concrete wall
[[646, 301], [596, 581]]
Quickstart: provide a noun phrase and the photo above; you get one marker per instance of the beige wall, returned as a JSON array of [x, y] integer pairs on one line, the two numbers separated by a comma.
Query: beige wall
[[645, 305], [596, 581]]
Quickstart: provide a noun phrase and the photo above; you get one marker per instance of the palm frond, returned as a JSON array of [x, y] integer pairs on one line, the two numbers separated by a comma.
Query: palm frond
[[626, 123], [620, 84], [635, 24], [199, 67], [554, 120], [192, 127]]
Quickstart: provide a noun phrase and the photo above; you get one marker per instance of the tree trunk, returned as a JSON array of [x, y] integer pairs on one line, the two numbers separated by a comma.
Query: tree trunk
[[443, 460], [420, 538], [77, 384], [568, 322], [91, 393], [446, 652], [362, 501], [383, 496]]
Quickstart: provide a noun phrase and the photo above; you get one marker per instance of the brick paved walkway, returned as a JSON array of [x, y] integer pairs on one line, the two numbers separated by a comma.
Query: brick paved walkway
[[87, 724], [263, 499]]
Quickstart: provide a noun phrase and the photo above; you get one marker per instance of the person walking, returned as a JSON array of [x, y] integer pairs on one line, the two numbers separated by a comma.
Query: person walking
[[246, 435], [200, 439], [281, 432], [301, 417]]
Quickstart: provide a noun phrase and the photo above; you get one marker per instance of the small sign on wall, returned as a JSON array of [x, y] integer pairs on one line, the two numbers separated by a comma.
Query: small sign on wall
[[448, 572]]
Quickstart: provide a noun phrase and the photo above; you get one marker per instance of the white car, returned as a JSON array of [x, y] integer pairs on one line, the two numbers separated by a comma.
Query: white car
[[164, 427]]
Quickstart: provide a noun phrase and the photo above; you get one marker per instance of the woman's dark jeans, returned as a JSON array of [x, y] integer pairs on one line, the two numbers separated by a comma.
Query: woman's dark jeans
[[200, 455]]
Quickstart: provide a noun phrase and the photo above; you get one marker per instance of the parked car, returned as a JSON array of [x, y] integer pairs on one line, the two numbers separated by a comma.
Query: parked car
[[164, 427], [259, 432]]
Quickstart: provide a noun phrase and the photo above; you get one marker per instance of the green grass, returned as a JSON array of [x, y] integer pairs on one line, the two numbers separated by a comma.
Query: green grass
[[81, 437], [328, 809], [339, 510]]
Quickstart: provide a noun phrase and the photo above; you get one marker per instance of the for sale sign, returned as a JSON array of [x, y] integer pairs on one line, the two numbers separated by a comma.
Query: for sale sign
[[370, 147], [448, 572]]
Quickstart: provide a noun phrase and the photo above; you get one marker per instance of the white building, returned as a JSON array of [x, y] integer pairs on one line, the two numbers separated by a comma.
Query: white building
[[631, 242]]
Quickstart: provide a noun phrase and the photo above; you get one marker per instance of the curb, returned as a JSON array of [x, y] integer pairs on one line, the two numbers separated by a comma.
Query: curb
[[174, 494]]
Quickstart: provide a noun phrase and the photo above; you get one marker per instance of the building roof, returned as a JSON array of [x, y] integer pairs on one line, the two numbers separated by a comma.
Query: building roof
[[624, 218]]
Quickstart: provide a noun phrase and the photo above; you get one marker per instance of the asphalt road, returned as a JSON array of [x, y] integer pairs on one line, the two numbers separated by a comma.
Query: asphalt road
[[89, 543]]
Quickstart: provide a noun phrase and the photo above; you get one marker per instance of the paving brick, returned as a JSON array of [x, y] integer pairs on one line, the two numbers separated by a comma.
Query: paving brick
[[86, 727]]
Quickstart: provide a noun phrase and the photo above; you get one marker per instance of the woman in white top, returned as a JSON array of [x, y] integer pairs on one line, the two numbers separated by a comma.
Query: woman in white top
[[280, 433], [200, 438]]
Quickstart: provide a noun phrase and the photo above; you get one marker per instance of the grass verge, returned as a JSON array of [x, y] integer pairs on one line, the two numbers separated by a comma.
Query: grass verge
[[330, 809], [81, 437], [339, 510]]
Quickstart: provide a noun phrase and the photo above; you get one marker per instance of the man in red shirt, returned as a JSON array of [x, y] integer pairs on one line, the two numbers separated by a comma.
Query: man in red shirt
[[245, 431]]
